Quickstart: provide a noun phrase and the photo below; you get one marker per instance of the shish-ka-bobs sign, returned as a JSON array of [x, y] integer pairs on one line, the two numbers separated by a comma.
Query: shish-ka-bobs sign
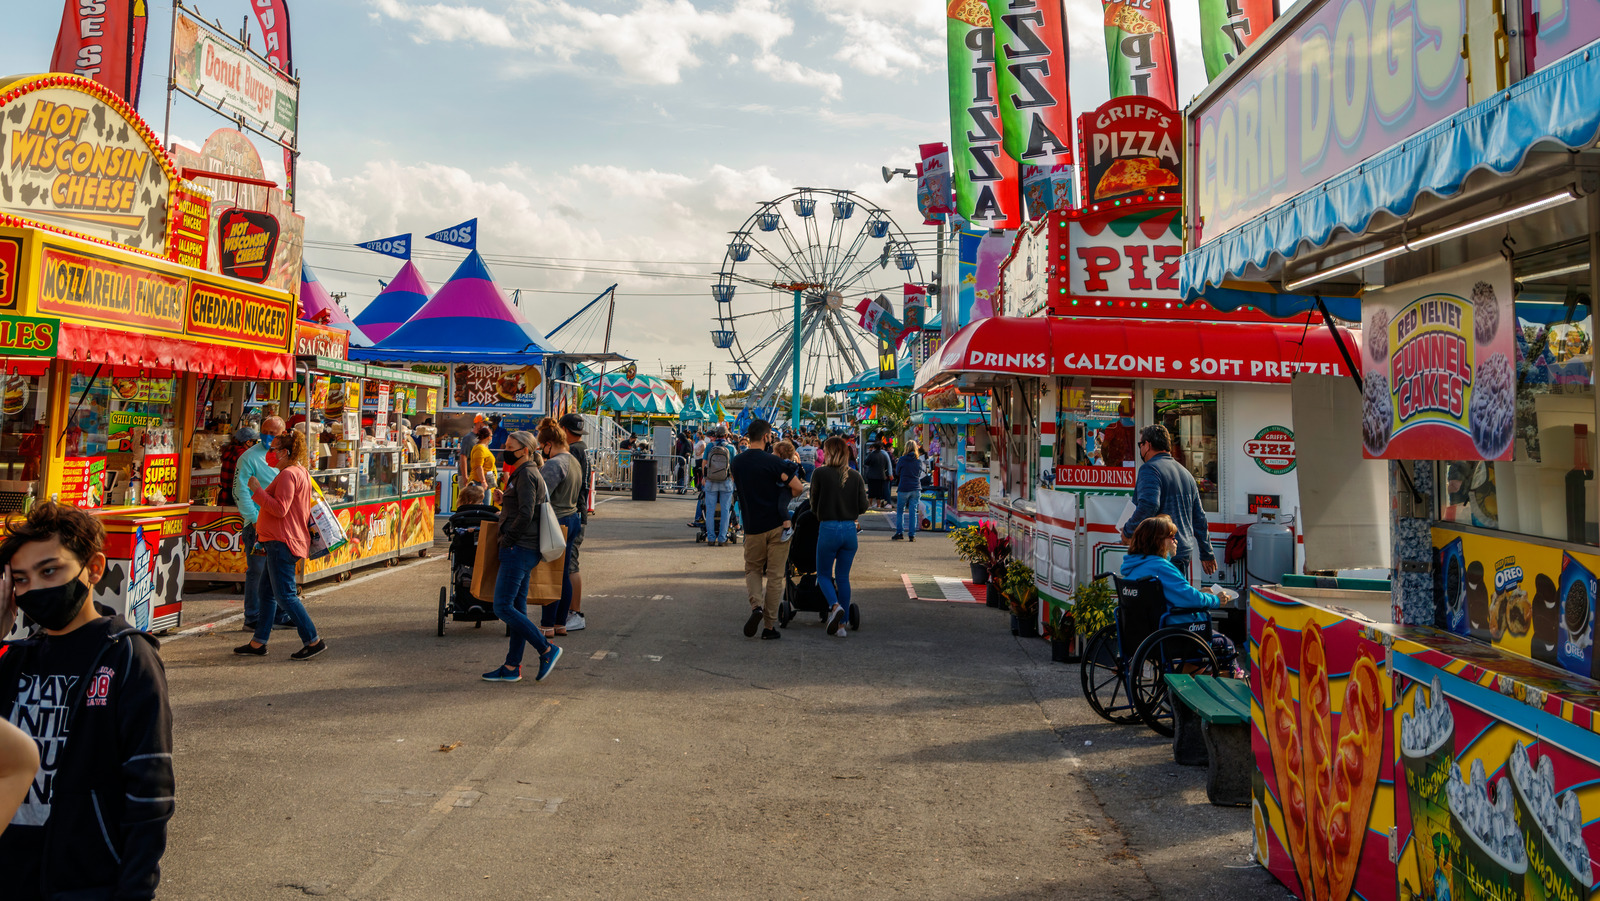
[[74, 157], [1335, 87], [1440, 377]]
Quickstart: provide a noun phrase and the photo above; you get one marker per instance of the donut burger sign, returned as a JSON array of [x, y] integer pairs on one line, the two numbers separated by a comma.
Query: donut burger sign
[[1439, 367]]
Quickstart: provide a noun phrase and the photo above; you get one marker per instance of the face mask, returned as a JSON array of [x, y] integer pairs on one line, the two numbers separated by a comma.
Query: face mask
[[55, 606]]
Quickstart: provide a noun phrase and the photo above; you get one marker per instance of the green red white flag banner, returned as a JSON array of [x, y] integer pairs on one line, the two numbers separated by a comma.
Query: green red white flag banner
[[1030, 38], [1139, 51], [1227, 27], [985, 177]]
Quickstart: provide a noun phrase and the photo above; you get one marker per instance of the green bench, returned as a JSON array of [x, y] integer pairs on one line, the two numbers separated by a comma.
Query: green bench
[[1211, 728]]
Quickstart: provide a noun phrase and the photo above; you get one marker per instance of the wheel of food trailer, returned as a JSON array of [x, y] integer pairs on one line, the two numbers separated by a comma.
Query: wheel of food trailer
[[444, 607], [1104, 678], [1170, 650]]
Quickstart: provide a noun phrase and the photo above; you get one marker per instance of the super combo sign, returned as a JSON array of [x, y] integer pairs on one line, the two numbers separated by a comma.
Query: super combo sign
[[1346, 81], [1440, 376], [74, 157]]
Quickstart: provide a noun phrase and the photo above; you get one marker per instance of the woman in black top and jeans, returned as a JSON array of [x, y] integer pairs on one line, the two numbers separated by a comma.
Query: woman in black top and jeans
[[838, 498], [519, 553]]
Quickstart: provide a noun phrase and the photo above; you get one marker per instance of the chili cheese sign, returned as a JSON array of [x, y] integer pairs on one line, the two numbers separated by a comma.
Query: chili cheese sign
[[74, 157]]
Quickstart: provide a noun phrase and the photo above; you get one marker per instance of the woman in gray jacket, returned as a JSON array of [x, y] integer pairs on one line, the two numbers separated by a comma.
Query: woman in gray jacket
[[519, 554], [563, 475]]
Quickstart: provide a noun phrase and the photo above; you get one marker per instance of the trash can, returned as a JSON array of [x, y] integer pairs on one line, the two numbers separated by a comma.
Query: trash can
[[644, 478]]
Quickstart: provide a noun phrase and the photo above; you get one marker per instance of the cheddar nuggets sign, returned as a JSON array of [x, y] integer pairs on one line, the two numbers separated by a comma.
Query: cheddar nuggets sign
[[218, 312], [72, 160]]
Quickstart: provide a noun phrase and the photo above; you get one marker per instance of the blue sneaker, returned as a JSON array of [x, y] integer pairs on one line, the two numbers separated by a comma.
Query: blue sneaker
[[547, 662], [504, 674]]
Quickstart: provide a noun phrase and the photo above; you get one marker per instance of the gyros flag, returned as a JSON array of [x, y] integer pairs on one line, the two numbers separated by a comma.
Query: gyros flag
[[1227, 27], [1139, 50], [985, 178], [1030, 39], [103, 41], [273, 16]]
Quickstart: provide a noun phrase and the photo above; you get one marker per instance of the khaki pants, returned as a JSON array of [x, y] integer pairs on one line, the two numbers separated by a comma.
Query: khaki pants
[[764, 558]]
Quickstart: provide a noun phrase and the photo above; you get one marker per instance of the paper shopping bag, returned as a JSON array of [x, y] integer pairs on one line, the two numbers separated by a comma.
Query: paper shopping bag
[[544, 584], [486, 569]]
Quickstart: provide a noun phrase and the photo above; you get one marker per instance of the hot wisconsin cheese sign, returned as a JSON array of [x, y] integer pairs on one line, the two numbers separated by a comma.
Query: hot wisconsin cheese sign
[[74, 157]]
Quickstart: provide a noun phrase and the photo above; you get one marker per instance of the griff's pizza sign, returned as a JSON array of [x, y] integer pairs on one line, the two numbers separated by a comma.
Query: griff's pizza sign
[[1129, 146]]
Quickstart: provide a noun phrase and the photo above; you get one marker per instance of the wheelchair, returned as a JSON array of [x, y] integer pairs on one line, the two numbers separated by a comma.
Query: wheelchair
[[1126, 663]]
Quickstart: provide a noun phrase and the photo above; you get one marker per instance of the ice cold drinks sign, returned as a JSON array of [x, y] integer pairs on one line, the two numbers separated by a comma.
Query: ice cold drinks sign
[[1439, 363]]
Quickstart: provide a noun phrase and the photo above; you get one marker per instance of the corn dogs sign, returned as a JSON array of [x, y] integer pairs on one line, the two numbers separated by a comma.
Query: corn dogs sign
[[1342, 83]]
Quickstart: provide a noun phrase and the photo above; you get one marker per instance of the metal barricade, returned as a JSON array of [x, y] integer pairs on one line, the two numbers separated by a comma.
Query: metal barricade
[[672, 473], [613, 470]]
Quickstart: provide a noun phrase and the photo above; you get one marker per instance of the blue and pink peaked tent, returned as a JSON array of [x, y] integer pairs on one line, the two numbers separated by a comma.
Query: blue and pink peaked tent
[[315, 300], [468, 314], [395, 304]]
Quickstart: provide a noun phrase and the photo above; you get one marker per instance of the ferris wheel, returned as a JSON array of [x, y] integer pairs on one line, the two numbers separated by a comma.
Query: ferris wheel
[[833, 248]]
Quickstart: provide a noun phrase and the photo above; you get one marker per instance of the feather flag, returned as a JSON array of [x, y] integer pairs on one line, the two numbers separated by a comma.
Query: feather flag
[[933, 184], [105, 42], [1228, 27], [985, 178], [1031, 65], [1139, 50]]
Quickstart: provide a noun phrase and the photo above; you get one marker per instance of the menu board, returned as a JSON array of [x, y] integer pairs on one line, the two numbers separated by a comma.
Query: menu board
[[83, 481], [507, 388]]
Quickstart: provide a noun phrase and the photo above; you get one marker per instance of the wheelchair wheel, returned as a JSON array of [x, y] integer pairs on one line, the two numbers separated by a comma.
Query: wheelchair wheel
[[1104, 685], [444, 607], [1167, 651]]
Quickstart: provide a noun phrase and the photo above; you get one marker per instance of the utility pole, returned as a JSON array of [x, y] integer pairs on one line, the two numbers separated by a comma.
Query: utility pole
[[674, 371]]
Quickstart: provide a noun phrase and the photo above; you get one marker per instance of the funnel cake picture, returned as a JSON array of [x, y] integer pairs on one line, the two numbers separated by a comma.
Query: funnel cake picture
[[1377, 413], [1492, 410], [1485, 313], [1326, 770]]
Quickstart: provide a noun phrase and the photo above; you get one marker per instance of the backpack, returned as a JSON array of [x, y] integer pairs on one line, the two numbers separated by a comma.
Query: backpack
[[719, 463]]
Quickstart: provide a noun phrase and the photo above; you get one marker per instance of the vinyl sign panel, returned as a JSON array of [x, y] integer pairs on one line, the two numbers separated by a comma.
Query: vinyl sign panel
[[1228, 27], [1439, 357], [1130, 145], [1120, 262], [1340, 84], [985, 177], [217, 71], [1032, 65]]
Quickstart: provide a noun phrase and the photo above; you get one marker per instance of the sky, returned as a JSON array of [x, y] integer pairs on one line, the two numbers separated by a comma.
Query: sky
[[596, 142]]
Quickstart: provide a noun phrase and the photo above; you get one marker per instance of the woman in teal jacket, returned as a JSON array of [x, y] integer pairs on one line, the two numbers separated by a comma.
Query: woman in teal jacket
[[1150, 557]]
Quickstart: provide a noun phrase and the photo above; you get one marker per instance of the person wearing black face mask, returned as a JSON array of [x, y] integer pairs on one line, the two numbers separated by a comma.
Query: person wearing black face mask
[[95, 822], [519, 553]]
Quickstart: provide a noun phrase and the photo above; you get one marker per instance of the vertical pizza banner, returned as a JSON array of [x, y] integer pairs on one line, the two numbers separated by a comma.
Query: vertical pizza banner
[[1228, 27], [985, 177], [1139, 51], [1031, 67], [1440, 380]]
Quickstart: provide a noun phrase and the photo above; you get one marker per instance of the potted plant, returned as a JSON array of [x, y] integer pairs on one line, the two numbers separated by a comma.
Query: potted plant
[[1094, 607], [1063, 636], [973, 545], [1022, 598]]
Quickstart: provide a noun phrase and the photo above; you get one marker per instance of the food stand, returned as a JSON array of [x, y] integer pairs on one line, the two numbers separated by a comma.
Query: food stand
[[1439, 740], [108, 325], [1103, 348], [377, 474]]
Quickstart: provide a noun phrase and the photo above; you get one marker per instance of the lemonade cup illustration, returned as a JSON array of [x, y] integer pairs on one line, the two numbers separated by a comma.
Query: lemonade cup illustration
[[1552, 829], [1427, 759], [1490, 858]]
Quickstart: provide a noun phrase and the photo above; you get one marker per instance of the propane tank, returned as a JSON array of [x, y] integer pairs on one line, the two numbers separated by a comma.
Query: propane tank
[[1269, 548]]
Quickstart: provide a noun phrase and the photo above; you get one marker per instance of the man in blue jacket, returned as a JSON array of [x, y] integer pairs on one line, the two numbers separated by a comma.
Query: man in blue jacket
[[1163, 486]]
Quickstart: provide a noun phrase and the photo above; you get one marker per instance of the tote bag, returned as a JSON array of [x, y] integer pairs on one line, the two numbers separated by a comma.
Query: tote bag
[[544, 583], [327, 535], [552, 537]]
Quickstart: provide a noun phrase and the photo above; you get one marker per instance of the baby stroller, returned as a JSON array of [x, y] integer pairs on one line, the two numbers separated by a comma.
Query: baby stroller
[[700, 520], [800, 590], [456, 600]]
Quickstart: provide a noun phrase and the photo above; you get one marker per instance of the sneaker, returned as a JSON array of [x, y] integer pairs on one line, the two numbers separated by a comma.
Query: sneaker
[[835, 616], [547, 662], [250, 650], [787, 534], [753, 623], [770, 635], [896, 536], [310, 650], [911, 538], [843, 631], [504, 674], [575, 622]]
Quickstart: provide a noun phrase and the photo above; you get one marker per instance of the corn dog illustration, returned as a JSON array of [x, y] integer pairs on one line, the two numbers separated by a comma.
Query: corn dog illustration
[[1316, 732], [1283, 741], [1355, 773]]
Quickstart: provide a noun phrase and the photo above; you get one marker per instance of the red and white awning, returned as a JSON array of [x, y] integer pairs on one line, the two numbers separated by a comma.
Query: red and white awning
[[1135, 349]]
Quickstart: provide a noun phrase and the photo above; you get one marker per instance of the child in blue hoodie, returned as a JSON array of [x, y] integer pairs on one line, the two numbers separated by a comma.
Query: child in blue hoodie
[[1149, 557]]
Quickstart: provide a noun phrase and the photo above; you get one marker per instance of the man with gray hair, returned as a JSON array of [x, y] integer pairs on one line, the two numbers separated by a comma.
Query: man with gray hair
[[253, 462], [1164, 486]]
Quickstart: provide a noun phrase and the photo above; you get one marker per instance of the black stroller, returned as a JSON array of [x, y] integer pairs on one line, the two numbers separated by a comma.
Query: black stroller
[[456, 600], [800, 590]]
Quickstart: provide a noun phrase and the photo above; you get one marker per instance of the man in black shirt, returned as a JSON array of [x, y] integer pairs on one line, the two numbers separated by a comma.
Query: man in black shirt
[[764, 493], [572, 424], [90, 691]]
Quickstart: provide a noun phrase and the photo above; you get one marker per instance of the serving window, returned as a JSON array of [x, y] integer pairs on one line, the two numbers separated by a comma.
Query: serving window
[[1191, 419]]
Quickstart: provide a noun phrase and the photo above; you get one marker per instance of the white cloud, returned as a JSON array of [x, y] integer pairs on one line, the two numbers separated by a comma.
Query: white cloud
[[888, 37], [450, 23], [829, 83]]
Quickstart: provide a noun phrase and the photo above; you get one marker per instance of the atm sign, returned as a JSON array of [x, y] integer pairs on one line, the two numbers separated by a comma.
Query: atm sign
[[1272, 449]]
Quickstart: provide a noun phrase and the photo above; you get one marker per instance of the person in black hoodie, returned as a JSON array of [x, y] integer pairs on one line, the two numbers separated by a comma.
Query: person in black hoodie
[[89, 689]]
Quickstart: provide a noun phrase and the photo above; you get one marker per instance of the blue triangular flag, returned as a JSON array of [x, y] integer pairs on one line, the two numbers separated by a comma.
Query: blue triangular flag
[[397, 246], [463, 235]]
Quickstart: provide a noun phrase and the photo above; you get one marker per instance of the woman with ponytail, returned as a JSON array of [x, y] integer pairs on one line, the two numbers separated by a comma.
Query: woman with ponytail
[[282, 529]]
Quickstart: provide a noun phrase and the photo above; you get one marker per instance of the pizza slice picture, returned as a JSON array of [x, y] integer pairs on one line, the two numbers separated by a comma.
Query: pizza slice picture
[[1134, 174], [1129, 19], [972, 12]]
